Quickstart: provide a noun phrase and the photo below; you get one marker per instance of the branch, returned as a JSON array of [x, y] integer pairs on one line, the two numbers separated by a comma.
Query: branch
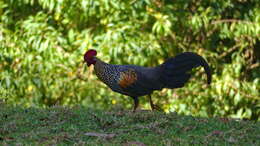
[[229, 51], [231, 21], [253, 66], [242, 93]]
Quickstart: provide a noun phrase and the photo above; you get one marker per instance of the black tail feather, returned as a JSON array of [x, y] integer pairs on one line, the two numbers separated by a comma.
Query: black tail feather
[[175, 71]]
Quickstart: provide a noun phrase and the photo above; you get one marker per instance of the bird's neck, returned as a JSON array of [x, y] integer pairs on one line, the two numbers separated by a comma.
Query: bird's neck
[[100, 69], [99, 64]]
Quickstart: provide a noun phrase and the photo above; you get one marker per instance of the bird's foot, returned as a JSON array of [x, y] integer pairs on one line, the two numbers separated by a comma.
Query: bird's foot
[[156, 107]]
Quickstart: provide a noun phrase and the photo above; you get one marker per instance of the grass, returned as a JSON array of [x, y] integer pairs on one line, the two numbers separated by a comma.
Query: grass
[[81, 126]]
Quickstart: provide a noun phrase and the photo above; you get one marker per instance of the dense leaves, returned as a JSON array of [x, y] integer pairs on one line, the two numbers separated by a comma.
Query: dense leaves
[[42, 43]]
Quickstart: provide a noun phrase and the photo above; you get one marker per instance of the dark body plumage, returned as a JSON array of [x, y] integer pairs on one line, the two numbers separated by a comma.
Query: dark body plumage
[[138, 81], [111, 75]]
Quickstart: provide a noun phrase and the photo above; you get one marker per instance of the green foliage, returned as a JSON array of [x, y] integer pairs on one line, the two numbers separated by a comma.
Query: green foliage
[[42, 43]]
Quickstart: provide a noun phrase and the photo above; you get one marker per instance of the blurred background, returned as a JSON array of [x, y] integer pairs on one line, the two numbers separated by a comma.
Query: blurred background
[[42, 43]]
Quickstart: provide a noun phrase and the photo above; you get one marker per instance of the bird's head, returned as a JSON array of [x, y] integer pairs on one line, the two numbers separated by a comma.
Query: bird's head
[[89, 57]]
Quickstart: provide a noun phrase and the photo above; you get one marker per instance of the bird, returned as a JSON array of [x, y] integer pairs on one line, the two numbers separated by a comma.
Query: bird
[[136, 81]]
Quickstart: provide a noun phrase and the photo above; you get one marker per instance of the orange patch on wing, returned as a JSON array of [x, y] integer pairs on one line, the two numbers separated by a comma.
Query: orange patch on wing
[[127, 78]]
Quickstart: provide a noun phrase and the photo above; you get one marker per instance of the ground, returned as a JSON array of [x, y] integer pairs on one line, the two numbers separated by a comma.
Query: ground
[[81, 126]]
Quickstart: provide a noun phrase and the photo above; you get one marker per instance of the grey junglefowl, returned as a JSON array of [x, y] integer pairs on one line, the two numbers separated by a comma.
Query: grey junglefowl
[[136, 81]]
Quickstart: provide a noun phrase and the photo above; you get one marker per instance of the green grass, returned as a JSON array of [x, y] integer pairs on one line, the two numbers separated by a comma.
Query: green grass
[[66, 126]]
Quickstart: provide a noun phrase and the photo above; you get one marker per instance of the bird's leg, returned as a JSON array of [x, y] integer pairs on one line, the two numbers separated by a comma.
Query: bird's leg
[[153, 106], [136, 103]]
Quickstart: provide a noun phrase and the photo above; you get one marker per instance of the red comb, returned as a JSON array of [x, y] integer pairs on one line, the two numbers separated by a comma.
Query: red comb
[[90, 53]]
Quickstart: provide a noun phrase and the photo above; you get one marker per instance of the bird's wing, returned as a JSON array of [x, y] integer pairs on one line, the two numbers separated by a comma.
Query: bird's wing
[[136, 83], [127, 78]]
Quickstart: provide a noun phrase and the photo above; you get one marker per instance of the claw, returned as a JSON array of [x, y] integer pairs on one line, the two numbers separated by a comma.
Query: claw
[[154, 106]]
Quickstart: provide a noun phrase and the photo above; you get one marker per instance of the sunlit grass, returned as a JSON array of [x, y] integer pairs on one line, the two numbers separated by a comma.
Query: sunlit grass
[[61, 125]]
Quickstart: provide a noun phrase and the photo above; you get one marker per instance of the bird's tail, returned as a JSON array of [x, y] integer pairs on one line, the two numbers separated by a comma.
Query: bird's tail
[[175, 71]]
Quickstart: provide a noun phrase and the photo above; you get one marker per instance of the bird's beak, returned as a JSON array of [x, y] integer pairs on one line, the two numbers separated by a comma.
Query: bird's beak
[[86, 62]]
